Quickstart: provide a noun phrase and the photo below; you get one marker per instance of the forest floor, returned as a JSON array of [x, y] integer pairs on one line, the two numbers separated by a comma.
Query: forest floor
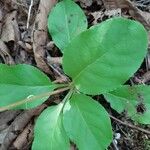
[[24, 39]]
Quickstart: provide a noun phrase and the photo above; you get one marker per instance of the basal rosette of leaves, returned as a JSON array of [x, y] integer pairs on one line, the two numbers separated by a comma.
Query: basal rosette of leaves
[[98, 60]]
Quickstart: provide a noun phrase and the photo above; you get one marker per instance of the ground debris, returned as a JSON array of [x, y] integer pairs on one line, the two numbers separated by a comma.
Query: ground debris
[[32, 45]]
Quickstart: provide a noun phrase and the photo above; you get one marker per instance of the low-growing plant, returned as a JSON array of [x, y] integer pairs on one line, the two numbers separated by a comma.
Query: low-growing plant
[[98, 60]]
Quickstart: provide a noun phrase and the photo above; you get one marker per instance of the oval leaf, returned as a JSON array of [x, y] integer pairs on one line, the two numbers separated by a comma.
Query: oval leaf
[[18, 82], [134, 100], [99, 59], [66, 21], [49, 130], [87, 123]]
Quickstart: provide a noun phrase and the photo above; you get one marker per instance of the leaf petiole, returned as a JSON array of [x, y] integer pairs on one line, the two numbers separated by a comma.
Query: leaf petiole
[[30, 99], [68, 96]]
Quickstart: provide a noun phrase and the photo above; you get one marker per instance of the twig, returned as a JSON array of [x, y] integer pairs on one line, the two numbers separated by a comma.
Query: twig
[[130, 125], [54, 60], [29, 13], [115, 145], [146, 77], [59, 73], [24, 137], [30, 99]]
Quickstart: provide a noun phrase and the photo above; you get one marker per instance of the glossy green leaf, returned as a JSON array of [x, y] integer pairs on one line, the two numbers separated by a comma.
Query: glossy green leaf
[[134, 100], [18, 82], [105, 56], [66, 21], [87, 123], [49, 130]]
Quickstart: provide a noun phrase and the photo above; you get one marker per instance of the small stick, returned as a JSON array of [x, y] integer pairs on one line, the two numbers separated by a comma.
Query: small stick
[[115, 145], [130, 125], [29, 13]]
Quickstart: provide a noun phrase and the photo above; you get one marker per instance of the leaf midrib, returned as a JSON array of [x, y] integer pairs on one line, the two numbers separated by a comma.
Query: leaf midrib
[[86, 123], [75, 78], [99, 57], [56, 124], [20, 85], [94, 60]]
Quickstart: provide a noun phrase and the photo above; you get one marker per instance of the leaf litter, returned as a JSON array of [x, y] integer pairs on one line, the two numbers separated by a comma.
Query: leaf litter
[[32, 45]]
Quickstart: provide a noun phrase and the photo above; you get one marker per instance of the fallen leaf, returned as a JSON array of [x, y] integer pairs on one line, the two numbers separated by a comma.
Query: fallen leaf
[[133, 11], [10, 30], [88, 3], [40, 33], [4, 53]]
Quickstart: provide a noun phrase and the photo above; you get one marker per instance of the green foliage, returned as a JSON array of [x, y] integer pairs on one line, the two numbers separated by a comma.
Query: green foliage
[[65, 22], [102, 56], [87, 123], [99, 61], [135, 100], [49, 130], [20, 82]]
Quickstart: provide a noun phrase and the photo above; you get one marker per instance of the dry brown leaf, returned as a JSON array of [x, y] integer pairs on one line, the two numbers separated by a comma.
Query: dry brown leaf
[[1, 17], [146, 15], [97, 15], [4, 53], [88, 3], [126, 4], [85, 3], [4, 123], [54, 60], [113, 12], [40, 33], [147, 59], [22, 141], [10, 30]]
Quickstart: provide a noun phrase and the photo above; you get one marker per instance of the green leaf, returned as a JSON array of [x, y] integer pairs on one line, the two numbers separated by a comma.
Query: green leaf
[[87, 123], [66, 21], [99, 59], [49, 130], [134, 100], [18, 82]]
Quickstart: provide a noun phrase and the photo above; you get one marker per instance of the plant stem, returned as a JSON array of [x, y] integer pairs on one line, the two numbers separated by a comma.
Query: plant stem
[[67, 97], [33, 98], [130, 125], [62, 85]]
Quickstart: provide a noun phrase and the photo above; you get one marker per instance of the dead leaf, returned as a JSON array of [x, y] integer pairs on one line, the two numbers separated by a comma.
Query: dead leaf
[[22, 141], [146, 15], [88, 3], [1, 17], [10, 30], [113, 12], [85, 3], [4, 53], [97, 15], [40, 33], [133, 11]]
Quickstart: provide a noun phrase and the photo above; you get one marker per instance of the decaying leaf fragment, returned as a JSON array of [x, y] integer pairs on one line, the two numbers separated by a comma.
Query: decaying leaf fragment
[[126, 4], [10, 30], [40, 33], [4, 53], [88, 3]]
